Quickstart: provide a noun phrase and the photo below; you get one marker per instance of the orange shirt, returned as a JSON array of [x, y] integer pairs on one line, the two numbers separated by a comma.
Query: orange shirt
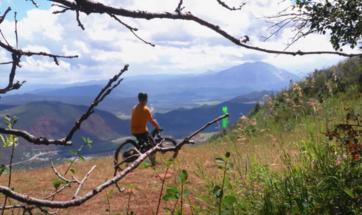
[[140, 115]]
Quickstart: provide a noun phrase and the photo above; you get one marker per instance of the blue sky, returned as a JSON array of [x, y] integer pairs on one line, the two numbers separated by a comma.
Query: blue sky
[[181, 46]]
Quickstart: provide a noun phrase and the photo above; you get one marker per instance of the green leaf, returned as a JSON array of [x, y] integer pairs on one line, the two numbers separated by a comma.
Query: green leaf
[[84, 139], [358, 189], [107, 210], [229, 200], [217, 192], [349, 192], [7, 117], [219, 160], [72, 151], [69, 161], [131, 213], [15, 119], [3, 169], [89, 140], [80, 148], [168, 164], [7, 123], [72, 170], [229, 166], [64, 182], [227, 154], [110, 192], [118, 214], [186, 193], [89, 145], [184, 176], [81, 157], [56, 183], [2, 139], [166, 209]]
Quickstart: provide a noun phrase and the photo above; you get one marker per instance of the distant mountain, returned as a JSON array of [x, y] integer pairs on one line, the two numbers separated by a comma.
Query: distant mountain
[[212, 85], [123, 105], [54, 120]]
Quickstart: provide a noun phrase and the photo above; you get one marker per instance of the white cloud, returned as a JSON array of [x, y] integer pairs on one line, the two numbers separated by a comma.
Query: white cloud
[[182, 46]]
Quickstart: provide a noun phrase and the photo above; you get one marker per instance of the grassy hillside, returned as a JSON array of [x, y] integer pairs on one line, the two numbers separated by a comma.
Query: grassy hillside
[[281, 161], [54, 120]]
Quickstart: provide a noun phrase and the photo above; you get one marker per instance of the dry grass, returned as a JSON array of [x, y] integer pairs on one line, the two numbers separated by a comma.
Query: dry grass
[[266, 148]]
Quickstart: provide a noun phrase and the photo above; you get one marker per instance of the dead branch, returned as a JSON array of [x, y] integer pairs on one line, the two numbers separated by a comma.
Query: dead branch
[[4, 37], [179, 8], [89, 7], [6, 63], [29, 53], [98, 99], [80, 200], [34, 3], [81, 183], [36, 140], [66, 140], [16, 31], [77, 13], [131, 29], [2, 18], [230, 8]]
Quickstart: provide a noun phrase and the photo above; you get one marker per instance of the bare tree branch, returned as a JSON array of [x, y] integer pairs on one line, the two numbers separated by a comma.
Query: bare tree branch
[[96, 101], [78, 201], [2, 18], [34, 3], [6, 63], [36, 140], [4, 37], [131, 29], [89, 7], [16, 31], [230, 8], [179, 8], [66, 140], [82, 182]]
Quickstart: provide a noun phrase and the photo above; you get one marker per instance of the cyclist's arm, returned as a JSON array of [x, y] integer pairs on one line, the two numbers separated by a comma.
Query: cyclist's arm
[[152, 120], [154, 123]]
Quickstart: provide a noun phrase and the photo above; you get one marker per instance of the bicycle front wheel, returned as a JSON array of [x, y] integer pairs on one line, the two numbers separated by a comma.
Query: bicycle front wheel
[[125, 151]]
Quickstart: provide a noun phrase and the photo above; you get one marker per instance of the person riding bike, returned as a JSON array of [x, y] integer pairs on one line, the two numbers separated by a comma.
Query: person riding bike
[[140, 115]]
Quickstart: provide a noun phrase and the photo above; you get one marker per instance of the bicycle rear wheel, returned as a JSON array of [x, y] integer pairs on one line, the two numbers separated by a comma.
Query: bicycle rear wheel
[[170, 155], [124, 151]]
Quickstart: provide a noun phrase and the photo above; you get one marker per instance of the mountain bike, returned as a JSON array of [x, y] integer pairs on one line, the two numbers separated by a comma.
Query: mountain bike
[[130, 149]]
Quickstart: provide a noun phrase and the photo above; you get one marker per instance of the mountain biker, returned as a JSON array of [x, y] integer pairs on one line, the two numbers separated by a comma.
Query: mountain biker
[[140, 115]]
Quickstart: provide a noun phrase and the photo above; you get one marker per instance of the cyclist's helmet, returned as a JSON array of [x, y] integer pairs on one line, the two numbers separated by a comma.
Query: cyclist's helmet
[[142, 96]]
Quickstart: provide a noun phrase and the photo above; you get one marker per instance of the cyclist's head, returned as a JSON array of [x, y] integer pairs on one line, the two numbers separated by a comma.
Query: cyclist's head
[[142, 98]]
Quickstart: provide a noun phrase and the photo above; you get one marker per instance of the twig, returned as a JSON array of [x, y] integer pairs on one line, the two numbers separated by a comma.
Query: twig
[[163, 182], [82, 182], [131, 29], [129, 199], [4, 37], [178, 10], [77, 14], [2, 18], [7, 62], [16, 31], [34, 3], [95, 102], [230, 8]]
